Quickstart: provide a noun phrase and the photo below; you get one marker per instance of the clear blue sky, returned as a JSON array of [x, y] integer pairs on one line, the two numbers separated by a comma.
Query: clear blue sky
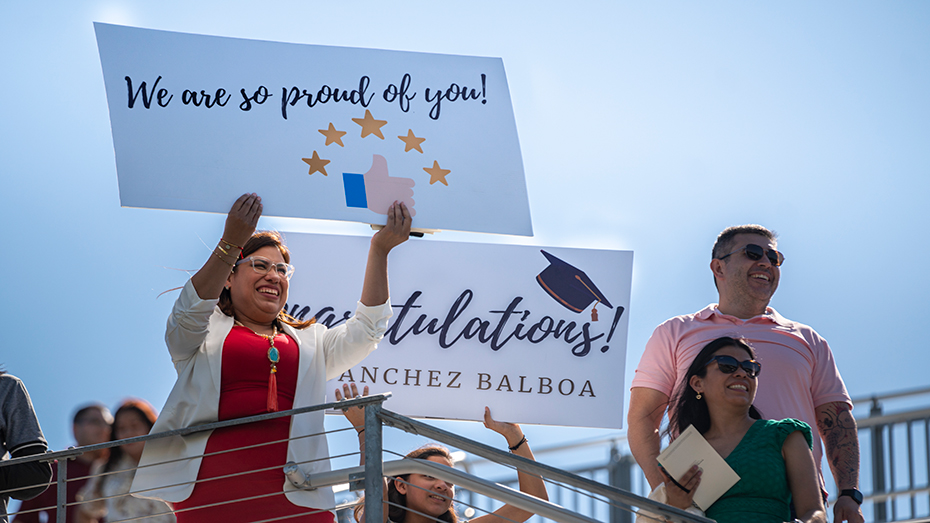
[[644, 126]]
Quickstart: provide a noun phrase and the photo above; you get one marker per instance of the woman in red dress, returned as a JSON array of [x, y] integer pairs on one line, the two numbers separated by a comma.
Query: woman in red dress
[[238, 354]]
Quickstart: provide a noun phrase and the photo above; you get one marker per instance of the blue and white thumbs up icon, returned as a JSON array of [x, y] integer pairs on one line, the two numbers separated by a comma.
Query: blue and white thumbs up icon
[[375, 190]]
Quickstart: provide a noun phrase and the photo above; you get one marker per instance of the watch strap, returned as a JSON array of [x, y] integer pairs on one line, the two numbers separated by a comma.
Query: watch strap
[[853, 493]]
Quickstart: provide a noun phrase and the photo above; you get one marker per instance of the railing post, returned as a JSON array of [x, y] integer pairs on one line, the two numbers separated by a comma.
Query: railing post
[[878, 462], [927, 451], [374, 485], [619, 471], [62, 491], [910, 465]]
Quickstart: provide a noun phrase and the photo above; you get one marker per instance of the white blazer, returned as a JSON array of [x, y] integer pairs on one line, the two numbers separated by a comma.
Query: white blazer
[[196, 332]]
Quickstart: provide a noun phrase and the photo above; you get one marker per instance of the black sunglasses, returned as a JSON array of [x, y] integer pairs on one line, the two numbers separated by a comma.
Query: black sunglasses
[[754, 252], [728, 365]]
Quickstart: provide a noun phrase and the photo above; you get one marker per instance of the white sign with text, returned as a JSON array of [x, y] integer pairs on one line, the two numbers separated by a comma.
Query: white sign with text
[[509, 327], [318, 132]]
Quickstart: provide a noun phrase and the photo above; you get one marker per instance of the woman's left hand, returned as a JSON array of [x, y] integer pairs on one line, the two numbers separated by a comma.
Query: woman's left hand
[[511, 431], [355, 415], [395, 232]]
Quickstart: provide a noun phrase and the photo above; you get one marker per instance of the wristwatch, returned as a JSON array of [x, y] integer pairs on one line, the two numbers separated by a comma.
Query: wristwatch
[[853, 493]]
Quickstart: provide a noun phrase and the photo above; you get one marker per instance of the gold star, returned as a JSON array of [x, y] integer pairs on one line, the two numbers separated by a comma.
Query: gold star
[[316, 164], [411, 141], [332, 135], [436, 174], [370, 125]]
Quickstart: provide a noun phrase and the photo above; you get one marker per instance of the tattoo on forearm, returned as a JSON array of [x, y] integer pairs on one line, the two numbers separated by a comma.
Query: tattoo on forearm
[[841, 442]]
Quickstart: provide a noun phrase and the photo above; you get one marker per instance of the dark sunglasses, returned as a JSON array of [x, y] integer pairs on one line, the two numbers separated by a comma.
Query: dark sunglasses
[[728, 365], [754, 252]]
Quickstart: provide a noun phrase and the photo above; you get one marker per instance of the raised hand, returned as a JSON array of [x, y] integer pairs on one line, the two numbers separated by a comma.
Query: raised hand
[[529, 483], [242, 218], [355, 415], [397, 230], [240, 224], [511, 431]]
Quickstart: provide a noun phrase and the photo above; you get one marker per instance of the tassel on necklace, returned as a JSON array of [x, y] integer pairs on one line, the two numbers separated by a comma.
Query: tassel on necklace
[[271, 404]]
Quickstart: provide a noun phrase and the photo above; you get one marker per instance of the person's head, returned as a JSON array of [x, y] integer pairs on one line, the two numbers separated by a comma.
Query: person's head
[[92, 425], [421, 493], [257, 286], [134, 417], [745, 264], [713, 376]]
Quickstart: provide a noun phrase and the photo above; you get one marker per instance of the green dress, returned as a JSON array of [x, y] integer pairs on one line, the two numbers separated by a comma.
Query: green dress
[[761, 495]]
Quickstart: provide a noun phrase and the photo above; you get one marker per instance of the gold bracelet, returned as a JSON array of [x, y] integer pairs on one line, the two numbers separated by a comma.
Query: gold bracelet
[[220, 247], [230, 244], [223, 260]]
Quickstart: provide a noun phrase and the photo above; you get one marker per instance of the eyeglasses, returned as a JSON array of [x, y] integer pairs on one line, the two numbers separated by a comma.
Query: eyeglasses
[[263, 265], [728, 365], [754, 252]]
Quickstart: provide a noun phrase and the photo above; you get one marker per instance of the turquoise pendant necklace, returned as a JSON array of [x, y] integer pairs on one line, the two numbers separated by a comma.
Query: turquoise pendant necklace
[[274, 357]]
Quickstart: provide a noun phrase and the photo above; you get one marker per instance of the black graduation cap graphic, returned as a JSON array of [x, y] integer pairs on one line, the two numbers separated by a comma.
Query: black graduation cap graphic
[[570, 286]]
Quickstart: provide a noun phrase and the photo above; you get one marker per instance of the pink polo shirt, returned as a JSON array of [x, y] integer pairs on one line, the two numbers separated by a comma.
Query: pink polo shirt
[[798, 371]]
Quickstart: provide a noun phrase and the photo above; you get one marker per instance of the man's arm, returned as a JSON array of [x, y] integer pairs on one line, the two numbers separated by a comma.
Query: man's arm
[[26, 480], [647, 406], [841, 445]]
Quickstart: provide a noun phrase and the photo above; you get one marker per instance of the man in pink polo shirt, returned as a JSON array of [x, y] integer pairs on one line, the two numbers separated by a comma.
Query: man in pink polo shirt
[[800, 378]]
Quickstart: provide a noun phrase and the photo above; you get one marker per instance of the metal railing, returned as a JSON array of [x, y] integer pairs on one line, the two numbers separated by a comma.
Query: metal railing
[[894, 456], [371, 475], [615, 467], [895, 448], [895, 472]]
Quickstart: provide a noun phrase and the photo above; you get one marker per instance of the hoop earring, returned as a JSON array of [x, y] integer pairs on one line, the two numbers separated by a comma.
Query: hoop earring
[[698, 395]]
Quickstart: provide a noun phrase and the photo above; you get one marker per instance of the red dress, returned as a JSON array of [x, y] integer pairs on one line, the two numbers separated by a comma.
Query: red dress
[[244, 392]]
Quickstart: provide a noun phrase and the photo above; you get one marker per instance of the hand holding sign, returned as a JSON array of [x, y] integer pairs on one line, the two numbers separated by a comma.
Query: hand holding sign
[[511, 431], [242, 218]]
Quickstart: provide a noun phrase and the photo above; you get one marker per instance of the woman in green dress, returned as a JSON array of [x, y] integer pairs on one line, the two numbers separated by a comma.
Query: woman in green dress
[[772, 458]]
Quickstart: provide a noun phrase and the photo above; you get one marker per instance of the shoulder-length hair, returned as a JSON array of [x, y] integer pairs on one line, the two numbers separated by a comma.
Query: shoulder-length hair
[[688, 410], [397, 502], [148, 415], [257, 241]]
